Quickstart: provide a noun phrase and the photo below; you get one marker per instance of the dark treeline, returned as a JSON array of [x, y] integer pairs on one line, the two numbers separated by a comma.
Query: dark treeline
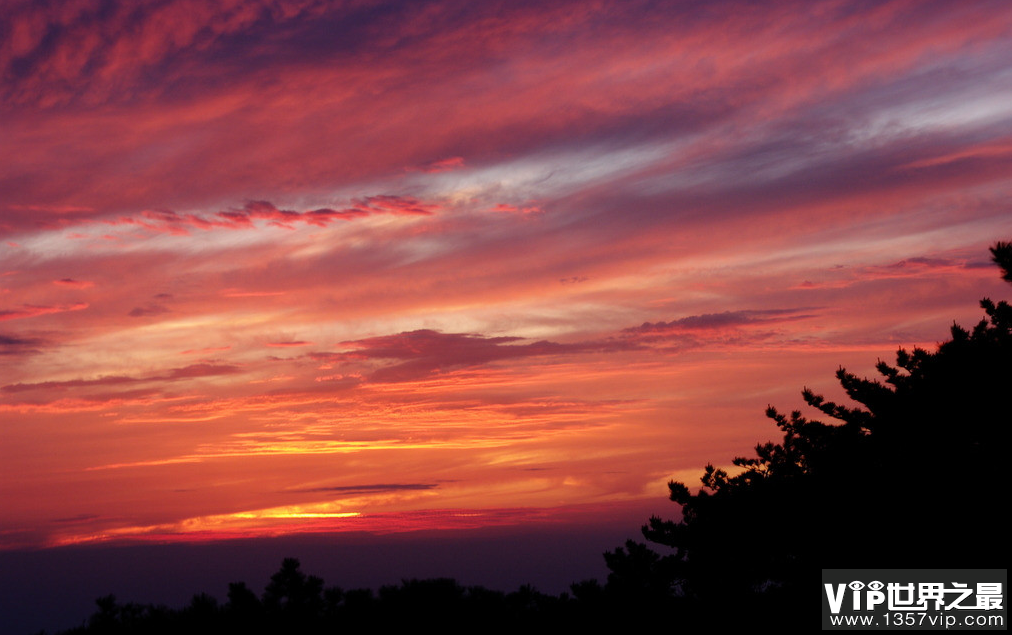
[[914, 477], [294, 602]]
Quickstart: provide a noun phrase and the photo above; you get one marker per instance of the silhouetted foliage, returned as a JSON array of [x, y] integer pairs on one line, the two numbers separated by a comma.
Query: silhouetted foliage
[[1001, 253], [292, 597], [918, 462], [294, 602], [243, 610]]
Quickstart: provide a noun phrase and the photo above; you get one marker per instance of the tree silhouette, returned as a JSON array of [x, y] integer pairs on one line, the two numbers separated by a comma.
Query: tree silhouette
[[292, 597], [1002, 255], [918, 462], [296, 603]]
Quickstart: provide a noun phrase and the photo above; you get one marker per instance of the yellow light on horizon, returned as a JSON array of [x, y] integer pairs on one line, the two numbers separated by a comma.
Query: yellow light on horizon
[[253, 515]]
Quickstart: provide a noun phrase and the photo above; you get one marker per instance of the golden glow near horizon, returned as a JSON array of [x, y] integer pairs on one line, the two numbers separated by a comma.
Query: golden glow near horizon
[[466, 267]]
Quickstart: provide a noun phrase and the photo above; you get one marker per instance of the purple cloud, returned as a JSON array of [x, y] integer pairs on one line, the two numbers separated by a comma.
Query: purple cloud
[[724, 320], [427, 352]]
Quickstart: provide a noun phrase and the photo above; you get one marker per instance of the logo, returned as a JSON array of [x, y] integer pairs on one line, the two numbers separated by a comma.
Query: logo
[[917, 598]]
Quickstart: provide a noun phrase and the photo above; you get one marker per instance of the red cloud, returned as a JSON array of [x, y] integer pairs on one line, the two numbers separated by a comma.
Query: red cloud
[[170, 222]]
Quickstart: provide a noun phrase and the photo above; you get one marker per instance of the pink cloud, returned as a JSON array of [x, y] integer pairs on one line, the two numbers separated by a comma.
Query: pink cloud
[[391, 204], [205, 351], [33, 310], [86, 49], [148, 310], [77, 284], [562, 87], [173, 223], [513, 209], [235, 293], [445, 165], [686, 161], [914, 267], [17, 345], [724, 320], [185, 372]]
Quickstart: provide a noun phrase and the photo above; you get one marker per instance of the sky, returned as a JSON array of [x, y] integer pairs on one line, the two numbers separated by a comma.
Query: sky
[[291, 267]]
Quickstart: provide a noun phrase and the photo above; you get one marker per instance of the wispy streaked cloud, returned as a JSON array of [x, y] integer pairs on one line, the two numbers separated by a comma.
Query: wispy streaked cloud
[[34, 310], [185, 372], [421, 256]]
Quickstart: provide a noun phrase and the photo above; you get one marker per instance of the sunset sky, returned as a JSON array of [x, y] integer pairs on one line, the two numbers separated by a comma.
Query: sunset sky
[[272, 267]]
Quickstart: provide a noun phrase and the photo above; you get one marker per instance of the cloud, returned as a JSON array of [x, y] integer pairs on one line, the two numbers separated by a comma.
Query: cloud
[[236, 293], [446, 165], [370, 489], [391, 204], [742, 328], [198, 370], [73, 520], [686, 161], [427, 352], [34, 310], [142, 85], [77, 284], [265, 210], [112, 380], [513, 209], [986, 151], [921, 262], [186, 372], [54, 53], [915, 267], [167, 221], [205, 351], [14, 345], [150, 309], [722, 321]]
